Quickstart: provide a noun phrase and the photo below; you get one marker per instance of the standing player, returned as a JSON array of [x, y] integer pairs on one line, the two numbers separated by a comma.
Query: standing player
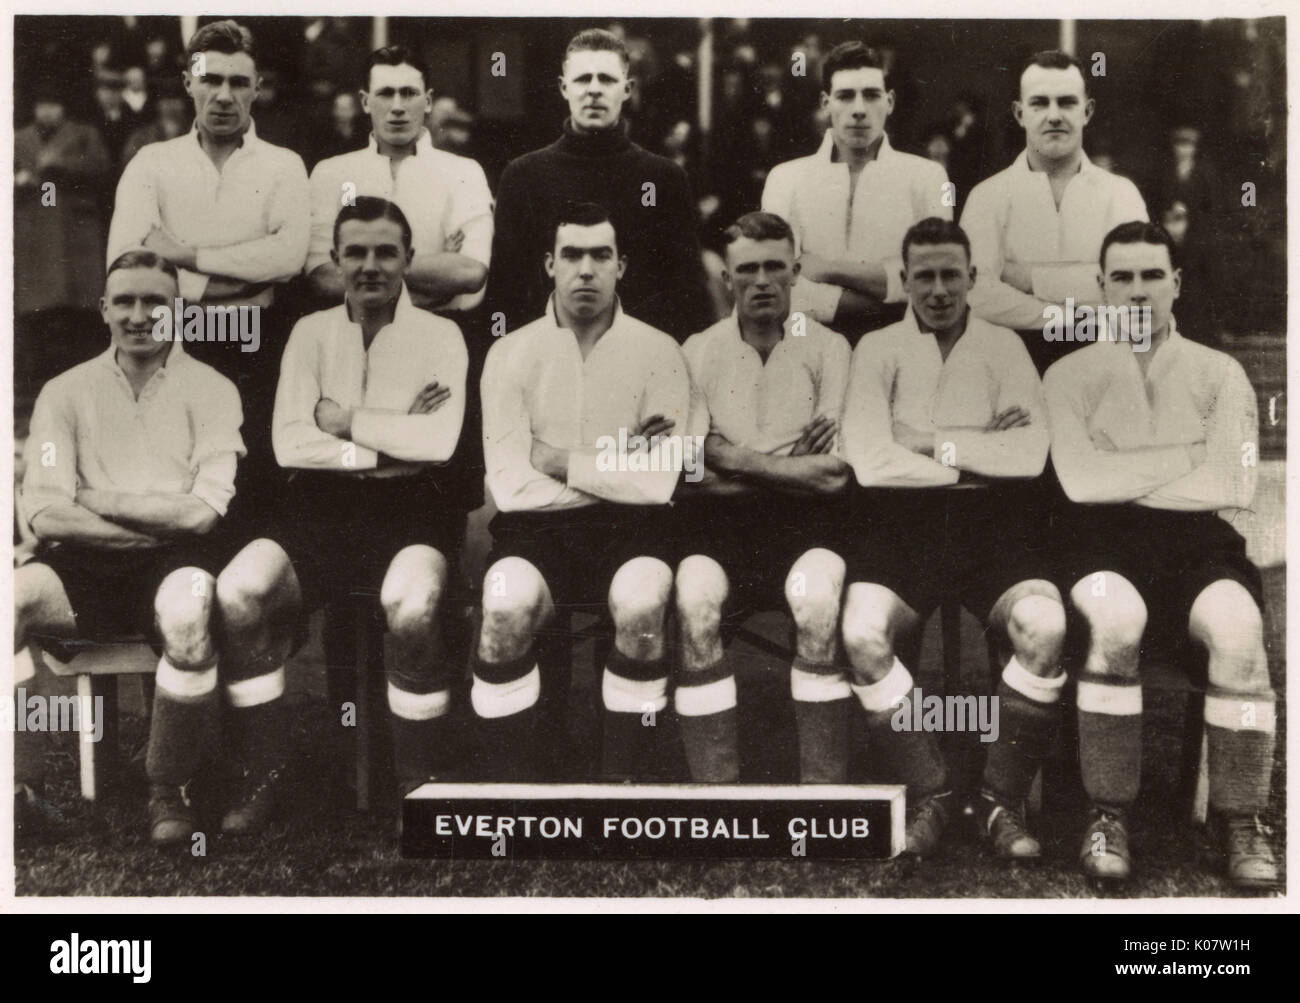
[[944, 424], [231, 212], [1035, 227], [130, 466], [768, 390], [368, 410], [577, 525], [648, 198], [445, 196], [1150, 446], [851, 202]]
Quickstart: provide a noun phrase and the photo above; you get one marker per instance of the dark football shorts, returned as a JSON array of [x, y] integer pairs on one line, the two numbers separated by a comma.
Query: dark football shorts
[[578, 550], [112, 591], [964, 543], [757, 538], [341, 531], [1169, 557]]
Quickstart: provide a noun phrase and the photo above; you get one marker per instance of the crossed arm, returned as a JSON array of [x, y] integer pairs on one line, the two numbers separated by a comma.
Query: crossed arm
[[809, 469]]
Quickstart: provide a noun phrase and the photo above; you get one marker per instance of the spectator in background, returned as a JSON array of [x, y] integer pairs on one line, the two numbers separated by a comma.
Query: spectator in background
[[114, 118], [938, 147], [965, 134], [172, 111], [451, 127], [135, 89], [279, 118], [58, 230]]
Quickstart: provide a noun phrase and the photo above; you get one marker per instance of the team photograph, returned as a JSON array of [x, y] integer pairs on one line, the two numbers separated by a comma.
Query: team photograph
[[649, 457]]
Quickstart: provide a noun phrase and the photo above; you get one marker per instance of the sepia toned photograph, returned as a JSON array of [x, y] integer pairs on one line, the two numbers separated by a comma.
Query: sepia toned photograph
[[683, 458]]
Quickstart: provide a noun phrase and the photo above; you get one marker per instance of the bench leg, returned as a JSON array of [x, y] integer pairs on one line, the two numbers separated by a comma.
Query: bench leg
[[1201, 798], [366, 708], [1194, 779], [97, 701]]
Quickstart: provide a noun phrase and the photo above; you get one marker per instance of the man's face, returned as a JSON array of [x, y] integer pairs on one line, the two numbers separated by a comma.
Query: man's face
[[130, 297], [344, 111], [937, 279], [586, 268], [1053, 109], [373, 260], [396, 103], [858, 105], [595, 84], [1141, 275], [224, 93], [48, 115], [759, 275]]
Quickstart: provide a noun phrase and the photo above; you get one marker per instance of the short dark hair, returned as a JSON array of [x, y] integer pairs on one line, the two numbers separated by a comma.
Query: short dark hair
[[141, 257], [851, 56], [1138, 232], [1055, 59], [227, 37], [757, 226], [597, 40], [369, 207], [933, 230], [583, 214], [395, 55]]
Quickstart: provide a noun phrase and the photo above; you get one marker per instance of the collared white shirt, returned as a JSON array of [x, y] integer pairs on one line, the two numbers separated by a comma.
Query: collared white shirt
[[893, 192], [1119, 436], [326, 356], [1012, 217], [89, 430], [439, 193], [765, 406], [250, 220], [899, 375], [537, 385]]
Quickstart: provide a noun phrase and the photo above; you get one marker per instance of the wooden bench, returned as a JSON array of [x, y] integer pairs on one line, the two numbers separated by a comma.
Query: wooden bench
[[97, 668]]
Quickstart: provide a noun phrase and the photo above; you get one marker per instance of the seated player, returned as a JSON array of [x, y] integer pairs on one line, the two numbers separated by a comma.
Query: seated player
[[368, 413], [944, 425], [767, 391], [577, 526], [1150, 445], [130, 467]]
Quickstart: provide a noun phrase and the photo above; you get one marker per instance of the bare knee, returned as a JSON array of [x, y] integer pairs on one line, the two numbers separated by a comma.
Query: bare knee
[[1036, 627], [251, 582], [1226, 620], [412, 589], [1117, 618], [868, 630], [182, 612], [638, 594], [814, 589], [513, 598], [701, 591]]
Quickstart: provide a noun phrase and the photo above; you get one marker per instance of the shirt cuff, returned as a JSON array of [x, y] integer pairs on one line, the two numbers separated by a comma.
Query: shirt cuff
[[192, 285], [1058, 282], [894, 292], [818, 300]]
